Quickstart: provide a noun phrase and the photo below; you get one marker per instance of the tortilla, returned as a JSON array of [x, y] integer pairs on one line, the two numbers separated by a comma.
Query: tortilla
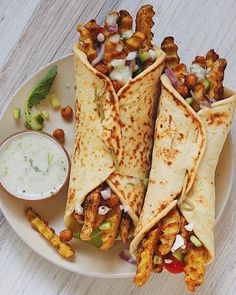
[[174, 153], [113, 134]]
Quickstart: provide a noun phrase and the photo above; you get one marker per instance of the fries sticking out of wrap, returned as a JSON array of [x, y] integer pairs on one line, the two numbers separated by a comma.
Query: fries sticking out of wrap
[[116, 78], [48, 233], [195, 116]]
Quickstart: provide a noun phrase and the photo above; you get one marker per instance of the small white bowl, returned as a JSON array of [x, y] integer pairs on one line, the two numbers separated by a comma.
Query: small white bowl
[[24, 180]]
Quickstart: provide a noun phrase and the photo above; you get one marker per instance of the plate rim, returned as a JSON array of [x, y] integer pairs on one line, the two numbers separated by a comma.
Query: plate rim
[[60, 263]]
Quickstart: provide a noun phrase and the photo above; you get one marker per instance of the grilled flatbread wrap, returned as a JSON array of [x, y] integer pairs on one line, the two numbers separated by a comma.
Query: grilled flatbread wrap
[[184, 163], [113, 134]]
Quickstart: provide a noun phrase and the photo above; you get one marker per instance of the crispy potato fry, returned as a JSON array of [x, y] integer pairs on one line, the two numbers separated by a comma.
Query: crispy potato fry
[[111, 52], [109, 235], [86, 43], [216, 77], [211, 57], [180, 71], [145, 260], [169, 227], [184, 233], [199, 91], [125, 226], [93, 29], [135, 41], [144, 24], [200, 60], [41, 226], [171, 49], [91, 204], [194, 268], [125, 22]]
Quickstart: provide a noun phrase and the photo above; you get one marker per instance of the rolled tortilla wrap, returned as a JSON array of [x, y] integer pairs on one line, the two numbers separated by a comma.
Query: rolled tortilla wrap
[[126, 122], [167, 181]]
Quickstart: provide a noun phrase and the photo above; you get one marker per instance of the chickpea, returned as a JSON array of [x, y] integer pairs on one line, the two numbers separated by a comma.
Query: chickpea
[[66, 235], [190, 80], [67, 113], [183, 90], [59, 134]]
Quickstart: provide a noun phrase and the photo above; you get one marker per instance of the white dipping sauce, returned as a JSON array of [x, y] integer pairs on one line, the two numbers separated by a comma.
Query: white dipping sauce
[[32, 166]]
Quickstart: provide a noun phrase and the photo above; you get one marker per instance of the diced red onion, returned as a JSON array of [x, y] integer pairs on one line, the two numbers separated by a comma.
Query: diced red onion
[[112, 29], [170, 74], [132, 65], [106, 193], [99, 56], [125, 255], [211, 99]]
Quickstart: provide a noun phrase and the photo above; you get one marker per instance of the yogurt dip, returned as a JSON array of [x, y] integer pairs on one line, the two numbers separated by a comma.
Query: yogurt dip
[[33, 165]]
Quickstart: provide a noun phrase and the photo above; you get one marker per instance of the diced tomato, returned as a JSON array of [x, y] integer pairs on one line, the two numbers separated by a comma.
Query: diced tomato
[[101, 30], [176, 266]]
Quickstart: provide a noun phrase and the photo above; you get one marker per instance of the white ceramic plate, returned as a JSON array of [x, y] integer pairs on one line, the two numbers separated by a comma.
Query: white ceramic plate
[[88, 260]]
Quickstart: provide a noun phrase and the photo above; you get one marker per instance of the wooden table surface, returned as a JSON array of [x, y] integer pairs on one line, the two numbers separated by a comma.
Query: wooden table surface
[[35, 32]]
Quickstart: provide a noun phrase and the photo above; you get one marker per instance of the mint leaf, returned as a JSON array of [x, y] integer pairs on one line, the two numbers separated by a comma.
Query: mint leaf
[[40, 91]]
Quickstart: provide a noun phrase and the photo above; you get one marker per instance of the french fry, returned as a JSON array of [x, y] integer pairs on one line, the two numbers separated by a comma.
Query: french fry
[[199, 91], [109, 235], [86, 43], [216, 77], [194, 268], [180, 71], [171, 49], [184, 233], [48, 233], [169, 227], [111, 52], [135, 41], [145, 260], [200, 60], [91, 204], [211, 57], [125, 226], [144, 24], [125, 22]]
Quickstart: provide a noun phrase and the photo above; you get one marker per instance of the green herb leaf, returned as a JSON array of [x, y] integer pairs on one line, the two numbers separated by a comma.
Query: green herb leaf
[[40, 91], [50, 158], [36, 168]]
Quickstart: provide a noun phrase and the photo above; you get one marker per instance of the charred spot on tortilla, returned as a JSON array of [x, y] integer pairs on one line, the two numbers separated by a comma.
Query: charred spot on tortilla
[[217, 118]]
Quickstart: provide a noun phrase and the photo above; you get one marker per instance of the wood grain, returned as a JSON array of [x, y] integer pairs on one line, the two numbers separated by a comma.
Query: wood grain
[[35, 32]]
